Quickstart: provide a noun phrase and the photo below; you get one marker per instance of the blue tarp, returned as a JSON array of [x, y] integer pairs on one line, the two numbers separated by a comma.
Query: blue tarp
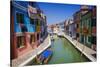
[[46, 53]]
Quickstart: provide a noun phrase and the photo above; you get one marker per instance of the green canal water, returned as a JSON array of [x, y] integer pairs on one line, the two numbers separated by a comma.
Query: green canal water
[[65, 52]]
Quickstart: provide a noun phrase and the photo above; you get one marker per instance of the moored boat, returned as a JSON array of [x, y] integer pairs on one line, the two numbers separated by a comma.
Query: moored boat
[[45, 56]]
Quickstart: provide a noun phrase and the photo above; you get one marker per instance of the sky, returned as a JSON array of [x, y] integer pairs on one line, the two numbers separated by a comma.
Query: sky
[[56, 13]]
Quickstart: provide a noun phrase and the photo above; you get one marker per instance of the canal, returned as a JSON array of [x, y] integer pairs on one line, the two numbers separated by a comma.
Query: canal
[[65, 52]]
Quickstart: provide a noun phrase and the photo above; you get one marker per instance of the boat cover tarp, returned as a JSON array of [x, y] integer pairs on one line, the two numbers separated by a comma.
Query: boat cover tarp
[[46, 53]]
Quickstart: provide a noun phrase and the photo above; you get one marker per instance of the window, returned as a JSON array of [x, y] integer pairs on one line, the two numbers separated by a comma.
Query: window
[[85, 22], [94, 39], [20, 17], [77, 34], [38, 36], [37, 22], [41, 23], [23, 28], [82, 38], [41, 34], [20, 41], [77, 26], [32, 39], [88, 23], [89, 39], [81, 24], [32, 21], [94, 22]]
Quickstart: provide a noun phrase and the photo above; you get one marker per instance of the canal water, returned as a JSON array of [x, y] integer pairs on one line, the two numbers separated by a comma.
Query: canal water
[[65, 52]]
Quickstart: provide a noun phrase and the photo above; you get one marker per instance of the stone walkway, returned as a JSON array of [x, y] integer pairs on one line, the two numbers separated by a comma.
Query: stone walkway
[[23, 60], [82, 48]]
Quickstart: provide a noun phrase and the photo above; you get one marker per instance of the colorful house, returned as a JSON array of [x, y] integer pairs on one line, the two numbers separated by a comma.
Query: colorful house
[[76, 20], [66, 27], [87, 26], [28, 26], [70, 28]]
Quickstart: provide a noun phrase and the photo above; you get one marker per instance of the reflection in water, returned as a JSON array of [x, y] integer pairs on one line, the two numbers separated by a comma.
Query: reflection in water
[[65, 52]]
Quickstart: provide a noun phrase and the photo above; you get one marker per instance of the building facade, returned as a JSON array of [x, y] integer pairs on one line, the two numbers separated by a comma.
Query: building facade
[[88, 28], [66, 27], [70, 28], [28, 27], [76, 20], [94, 20]]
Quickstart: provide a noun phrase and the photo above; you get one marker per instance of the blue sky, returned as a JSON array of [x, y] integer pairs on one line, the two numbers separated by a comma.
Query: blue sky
[[56, 13]]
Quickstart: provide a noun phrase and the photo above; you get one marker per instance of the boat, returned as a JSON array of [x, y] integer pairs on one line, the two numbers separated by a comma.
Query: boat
[[52, 38], [45, 56]]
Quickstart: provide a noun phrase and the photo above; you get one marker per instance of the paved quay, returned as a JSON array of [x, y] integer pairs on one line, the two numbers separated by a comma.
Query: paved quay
[[81, 47], [23, 60]]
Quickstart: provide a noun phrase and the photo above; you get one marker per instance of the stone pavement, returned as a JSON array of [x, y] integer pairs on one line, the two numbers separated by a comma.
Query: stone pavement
[[82, 48], [23, 60]]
